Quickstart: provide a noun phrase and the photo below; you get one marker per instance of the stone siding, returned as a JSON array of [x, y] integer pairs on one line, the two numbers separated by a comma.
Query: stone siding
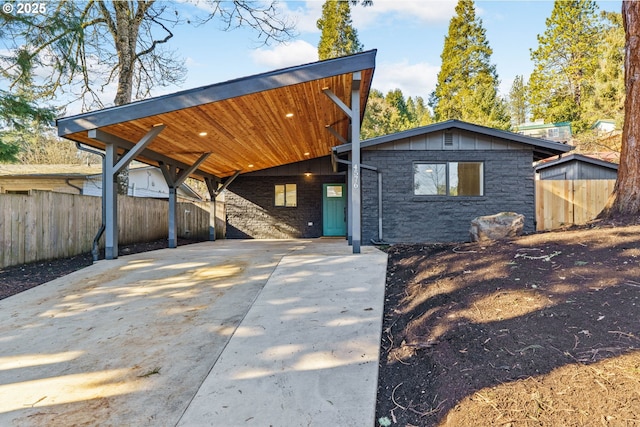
[[251, 213], [508, 186]]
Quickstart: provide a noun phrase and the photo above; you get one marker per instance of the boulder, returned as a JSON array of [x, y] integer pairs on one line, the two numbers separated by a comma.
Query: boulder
[[503, 225]]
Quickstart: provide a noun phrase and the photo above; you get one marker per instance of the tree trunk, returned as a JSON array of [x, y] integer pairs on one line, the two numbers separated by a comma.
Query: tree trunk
[[128, 23], [625, 199]]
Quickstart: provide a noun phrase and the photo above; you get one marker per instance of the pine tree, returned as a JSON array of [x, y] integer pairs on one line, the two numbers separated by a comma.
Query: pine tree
[[466, 73], [339, 37], [518, 105], [565, 63]]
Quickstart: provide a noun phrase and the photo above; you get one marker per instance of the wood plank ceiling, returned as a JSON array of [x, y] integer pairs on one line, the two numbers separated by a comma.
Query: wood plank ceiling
[[253, 123]]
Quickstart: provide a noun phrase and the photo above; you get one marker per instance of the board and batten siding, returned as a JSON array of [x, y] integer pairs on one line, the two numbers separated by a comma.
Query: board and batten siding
[[407, 218], [577, 170]]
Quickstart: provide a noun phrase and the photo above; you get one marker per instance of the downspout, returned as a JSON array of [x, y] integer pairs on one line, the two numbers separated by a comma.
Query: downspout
[[94, 249], [381, 240], [68, 182]]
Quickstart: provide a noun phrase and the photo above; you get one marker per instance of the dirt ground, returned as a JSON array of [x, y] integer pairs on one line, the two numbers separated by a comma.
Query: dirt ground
[[543, 330]]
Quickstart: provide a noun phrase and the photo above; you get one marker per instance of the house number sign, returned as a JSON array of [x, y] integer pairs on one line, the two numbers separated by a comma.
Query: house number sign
[[356, 177]]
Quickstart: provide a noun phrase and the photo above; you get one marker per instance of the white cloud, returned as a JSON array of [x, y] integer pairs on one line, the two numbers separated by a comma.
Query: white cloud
[[307, 13], [417, 79], [427, 11], [285, 55]]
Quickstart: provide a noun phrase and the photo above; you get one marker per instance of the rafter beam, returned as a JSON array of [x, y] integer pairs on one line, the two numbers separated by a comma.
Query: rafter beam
[[336, 134], [332, 96], [107, 138]]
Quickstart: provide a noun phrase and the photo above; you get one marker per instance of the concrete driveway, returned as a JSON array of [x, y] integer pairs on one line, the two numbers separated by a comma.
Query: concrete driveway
[[224, 333]]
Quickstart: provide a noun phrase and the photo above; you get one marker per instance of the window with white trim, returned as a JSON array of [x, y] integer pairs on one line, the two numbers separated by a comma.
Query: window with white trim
[[448, 179]]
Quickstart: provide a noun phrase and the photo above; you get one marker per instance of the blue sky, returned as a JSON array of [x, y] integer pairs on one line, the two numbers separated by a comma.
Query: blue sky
[[408, 35]]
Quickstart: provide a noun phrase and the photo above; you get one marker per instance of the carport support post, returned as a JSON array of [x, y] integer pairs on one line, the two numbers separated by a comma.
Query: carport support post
[[356, 194], [111, 202], [174, 180]]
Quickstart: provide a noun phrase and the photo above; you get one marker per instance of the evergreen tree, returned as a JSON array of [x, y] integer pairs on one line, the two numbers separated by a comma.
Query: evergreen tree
[[518, 104], [393, 113], [19, 115], [338, 37], [609, 92], [565, 63], [466, 73]]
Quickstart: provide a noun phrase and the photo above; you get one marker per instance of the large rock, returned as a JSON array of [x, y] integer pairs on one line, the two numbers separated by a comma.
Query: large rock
[[496, 227]]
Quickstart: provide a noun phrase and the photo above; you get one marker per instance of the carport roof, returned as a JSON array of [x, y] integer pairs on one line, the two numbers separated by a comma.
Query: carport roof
[[251, 123]]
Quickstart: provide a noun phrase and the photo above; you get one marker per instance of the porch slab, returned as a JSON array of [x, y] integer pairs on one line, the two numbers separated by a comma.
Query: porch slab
[[225, 333]]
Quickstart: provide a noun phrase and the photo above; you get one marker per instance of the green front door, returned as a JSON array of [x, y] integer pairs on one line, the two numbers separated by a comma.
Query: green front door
[[333, 210]]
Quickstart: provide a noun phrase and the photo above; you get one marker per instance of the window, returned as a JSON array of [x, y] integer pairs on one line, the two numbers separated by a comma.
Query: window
[[286, 195], [448, 179], [334, 191]]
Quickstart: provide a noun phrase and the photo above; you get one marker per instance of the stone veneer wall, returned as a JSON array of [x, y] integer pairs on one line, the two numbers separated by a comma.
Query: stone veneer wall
[[509, 186], [251, 212]]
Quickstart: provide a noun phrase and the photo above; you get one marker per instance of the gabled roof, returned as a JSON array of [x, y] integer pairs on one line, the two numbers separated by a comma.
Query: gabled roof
[[542, 148], [246, 120], [577, 158]]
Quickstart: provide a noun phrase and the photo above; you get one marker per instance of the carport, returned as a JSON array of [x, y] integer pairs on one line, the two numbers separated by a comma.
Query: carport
[[216, 132]]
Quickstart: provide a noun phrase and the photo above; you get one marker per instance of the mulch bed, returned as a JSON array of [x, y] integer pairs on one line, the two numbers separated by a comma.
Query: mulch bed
[[543, 330]]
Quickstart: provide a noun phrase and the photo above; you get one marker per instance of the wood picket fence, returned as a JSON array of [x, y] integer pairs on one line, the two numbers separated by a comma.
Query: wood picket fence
[[46, 225], [561, 203]]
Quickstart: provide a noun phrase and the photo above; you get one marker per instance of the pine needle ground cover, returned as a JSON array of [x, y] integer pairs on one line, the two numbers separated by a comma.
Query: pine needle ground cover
[[543, 330]]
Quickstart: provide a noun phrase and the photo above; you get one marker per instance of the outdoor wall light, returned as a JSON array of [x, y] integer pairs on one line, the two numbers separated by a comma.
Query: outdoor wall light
[[307, 173]]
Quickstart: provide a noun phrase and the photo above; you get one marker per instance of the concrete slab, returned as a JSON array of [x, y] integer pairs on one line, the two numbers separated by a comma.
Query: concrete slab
[[307, 351], [131, 341]]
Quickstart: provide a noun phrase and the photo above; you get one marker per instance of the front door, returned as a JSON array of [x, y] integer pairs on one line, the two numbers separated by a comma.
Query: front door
[[333, 210]]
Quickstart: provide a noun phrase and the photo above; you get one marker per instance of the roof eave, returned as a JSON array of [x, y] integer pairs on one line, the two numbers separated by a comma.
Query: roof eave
[[541, 146]]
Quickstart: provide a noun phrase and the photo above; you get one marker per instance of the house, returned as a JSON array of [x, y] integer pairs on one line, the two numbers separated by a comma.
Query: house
[[604, 127], [576, 166], [21, 179], [144, 181], [420, 185], [558, 132], [284, 148]]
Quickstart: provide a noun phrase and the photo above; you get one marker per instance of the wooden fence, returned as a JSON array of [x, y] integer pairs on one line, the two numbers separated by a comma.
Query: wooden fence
[[46, 225], [564, 202]]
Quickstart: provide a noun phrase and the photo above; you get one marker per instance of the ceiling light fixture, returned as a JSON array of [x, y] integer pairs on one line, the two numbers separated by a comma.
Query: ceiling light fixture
[[251, 165], [202, 134], [307, 153], [289, 115]]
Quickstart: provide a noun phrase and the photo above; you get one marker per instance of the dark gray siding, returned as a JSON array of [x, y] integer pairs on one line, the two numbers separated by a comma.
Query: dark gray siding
[[251, 213], [509, 186]]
